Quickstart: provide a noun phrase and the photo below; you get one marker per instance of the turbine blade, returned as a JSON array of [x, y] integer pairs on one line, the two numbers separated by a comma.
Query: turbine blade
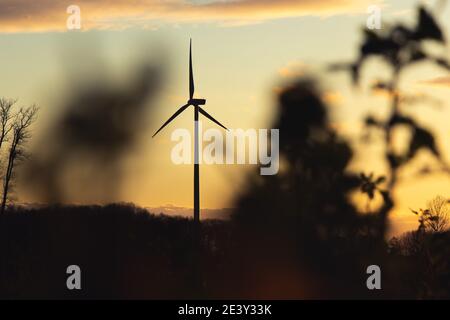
[[206, 114], [191, 73], [176, 114]]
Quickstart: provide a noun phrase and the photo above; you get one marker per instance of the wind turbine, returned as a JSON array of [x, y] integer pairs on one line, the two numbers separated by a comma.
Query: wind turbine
[[196, 103]]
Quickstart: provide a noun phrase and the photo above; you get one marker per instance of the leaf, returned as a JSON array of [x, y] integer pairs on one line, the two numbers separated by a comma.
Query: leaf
[[397, 119], [380, 180], [443, 63], [370, 35], [394, 161], [427, 27], [371, 121], [422, 139], [418, 55]]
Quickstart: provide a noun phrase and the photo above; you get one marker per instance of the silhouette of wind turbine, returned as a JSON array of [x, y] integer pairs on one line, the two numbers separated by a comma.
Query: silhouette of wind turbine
[[196, 103]]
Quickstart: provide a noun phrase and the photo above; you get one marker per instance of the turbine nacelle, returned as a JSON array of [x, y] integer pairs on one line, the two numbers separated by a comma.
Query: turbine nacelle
[[197, 102]]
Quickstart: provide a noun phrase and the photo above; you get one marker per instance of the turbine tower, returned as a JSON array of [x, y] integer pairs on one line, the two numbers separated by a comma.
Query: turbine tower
[[196, 103]]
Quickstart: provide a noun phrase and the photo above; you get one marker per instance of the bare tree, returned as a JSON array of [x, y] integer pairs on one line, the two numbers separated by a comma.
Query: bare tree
[[20, 135], [439, 212], [436, 217], [6, 116]]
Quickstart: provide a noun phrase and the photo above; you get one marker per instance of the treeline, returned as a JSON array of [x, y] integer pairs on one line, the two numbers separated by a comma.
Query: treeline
[[15, 131], [124, 252]]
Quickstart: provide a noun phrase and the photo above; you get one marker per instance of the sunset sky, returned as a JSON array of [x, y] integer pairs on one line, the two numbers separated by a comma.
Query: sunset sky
[[244, 50]]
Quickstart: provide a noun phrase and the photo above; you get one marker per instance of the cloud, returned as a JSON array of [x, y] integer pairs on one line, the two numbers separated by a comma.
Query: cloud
[[438, 81], [171, 210], [51, 15]]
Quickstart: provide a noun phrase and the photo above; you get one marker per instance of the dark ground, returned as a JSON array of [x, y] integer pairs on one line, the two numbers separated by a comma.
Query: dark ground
[[125, 253]]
